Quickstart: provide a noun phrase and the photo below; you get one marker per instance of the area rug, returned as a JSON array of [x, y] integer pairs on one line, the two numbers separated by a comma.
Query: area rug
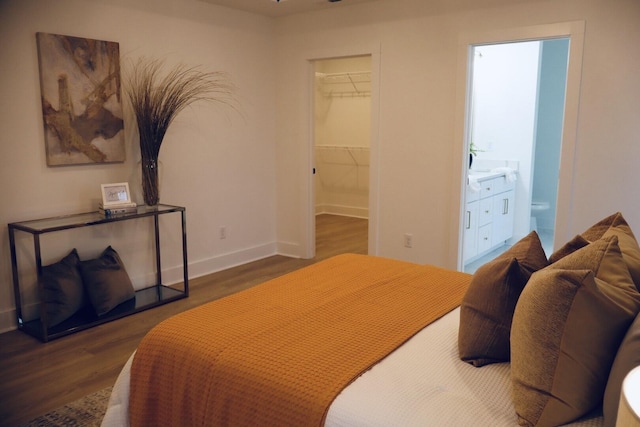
[[86, 412]]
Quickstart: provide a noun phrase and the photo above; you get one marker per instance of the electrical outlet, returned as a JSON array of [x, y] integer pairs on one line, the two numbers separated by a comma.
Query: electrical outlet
[[223, 232], [408, 240]]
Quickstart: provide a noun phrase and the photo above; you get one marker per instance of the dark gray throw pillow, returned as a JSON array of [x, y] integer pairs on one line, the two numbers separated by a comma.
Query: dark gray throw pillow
[[106, 281], [63, 293]]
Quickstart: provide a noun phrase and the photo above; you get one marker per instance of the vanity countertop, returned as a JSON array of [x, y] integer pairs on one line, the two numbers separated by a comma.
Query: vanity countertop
[[482, 175]]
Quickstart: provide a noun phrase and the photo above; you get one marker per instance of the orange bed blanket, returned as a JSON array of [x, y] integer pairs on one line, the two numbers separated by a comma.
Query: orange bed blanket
[[279, 353]]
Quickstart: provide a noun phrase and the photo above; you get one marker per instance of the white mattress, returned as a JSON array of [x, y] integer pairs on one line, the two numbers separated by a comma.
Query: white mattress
[[423, 383]]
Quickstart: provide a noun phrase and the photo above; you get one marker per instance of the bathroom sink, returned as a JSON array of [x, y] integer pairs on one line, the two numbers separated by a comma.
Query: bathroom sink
[[480, 175]]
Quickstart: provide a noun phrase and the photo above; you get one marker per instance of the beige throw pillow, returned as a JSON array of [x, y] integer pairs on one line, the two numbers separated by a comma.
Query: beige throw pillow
[[567, 326], [487, 307]]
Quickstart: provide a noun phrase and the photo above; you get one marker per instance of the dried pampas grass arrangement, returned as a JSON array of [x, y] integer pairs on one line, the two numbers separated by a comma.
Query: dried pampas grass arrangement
[[158, 96]]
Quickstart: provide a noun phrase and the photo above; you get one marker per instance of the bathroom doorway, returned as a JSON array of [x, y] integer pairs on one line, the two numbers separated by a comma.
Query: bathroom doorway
[[515, 127], [342, 135]]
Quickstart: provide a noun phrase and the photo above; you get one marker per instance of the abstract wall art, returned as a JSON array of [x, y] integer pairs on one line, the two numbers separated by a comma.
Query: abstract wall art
[[81, 103]]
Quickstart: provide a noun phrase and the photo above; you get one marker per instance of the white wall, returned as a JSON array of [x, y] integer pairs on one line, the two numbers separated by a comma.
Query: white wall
[[218, 163], [418, 43]]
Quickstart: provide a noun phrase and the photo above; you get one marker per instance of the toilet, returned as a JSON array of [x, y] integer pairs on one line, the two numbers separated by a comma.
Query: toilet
[[536, 208]]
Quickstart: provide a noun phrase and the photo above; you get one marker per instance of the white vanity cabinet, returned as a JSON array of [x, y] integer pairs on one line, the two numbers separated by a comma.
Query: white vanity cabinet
[[470, 239], [489, 215], [503, 204]]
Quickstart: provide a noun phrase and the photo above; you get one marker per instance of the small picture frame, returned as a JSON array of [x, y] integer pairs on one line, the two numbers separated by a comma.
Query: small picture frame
[[115, 194]]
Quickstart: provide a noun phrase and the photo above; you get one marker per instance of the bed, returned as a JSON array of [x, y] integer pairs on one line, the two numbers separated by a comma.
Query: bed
[[447, 392], [419, 378]]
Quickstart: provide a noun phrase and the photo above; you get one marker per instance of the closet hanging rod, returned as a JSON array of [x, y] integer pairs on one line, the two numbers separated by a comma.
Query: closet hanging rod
[[347, 75], [344, 74], [340, 147]]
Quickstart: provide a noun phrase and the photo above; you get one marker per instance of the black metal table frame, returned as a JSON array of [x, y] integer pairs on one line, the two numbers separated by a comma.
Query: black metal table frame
[[163, 294]]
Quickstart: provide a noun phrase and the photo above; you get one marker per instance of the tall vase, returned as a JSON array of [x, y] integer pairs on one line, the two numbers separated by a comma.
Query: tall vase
[[150, 189]]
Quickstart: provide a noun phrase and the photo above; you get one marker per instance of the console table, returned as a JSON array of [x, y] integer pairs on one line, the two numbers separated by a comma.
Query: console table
[[146, 298]]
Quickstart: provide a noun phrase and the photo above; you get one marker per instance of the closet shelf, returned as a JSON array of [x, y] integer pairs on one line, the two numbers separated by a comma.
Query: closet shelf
[[352, 83], [343, 155], [343, 168]]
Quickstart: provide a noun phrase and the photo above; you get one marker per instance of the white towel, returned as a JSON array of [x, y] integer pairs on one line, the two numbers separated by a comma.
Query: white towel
[[474, 185], [510, 174]]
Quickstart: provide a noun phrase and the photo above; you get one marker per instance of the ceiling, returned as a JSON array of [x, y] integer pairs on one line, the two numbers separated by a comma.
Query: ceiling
[[275, 9]]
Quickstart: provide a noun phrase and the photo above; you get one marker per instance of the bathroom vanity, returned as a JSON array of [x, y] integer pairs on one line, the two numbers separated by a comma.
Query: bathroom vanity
[[489, 215]]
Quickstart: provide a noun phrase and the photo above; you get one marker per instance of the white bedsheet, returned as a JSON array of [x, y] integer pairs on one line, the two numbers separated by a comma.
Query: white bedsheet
[[423, 383]]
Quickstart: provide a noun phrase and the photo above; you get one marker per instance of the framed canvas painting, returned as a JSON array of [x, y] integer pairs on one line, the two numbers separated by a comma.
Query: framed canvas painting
[[81, 103]]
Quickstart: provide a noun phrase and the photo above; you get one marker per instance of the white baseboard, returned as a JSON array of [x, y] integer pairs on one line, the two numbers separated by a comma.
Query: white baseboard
[[8, 321], [225, 261], [289, 249], [169, 276], [352, 211]]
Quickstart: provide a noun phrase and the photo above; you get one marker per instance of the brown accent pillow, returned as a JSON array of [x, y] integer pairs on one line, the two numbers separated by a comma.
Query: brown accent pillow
[[627, 358], [487, 307], [597, 230], [630, 250], [568, 248], [567, 327], [604, 257], [616, 225], [63, 293], [106, 281]]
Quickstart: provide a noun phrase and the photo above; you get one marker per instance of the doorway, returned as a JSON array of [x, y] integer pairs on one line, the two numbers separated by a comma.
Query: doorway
[[573, 31], [342, 135], [516, 114]]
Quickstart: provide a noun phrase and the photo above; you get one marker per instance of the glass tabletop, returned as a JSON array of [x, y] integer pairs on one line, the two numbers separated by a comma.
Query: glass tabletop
[[89, 218]]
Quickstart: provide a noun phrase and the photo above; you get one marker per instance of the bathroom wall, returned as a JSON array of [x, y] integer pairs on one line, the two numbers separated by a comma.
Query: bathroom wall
[[551, 94], [504, 107]]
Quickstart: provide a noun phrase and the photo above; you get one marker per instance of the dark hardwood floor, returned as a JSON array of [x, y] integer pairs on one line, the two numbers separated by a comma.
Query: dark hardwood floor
[[36, 378]]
